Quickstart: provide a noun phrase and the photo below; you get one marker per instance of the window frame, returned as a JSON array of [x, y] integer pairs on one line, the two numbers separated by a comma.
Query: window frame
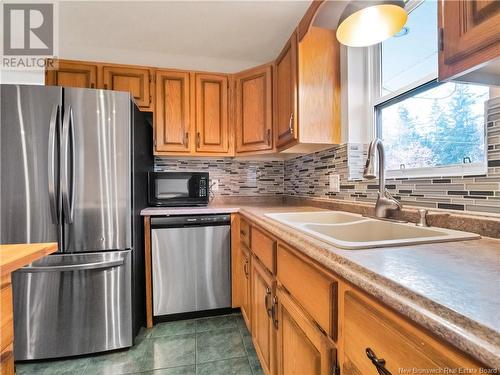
[[380, 101]]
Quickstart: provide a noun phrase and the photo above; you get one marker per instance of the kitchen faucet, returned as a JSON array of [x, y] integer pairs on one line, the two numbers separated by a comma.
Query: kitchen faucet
[[386, 203]]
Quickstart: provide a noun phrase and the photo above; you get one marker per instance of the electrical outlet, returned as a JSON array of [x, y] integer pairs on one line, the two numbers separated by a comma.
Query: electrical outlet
[[334, 180], [215, 185]]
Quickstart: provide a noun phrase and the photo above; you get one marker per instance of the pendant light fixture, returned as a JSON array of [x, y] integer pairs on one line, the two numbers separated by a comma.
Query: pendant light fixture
[[364, 23]]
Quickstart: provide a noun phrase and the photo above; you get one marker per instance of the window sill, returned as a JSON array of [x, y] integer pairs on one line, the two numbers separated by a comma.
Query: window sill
[[478, 169]]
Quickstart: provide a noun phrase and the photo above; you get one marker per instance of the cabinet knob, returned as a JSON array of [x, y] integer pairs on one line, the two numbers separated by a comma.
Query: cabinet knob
[[379, 363]]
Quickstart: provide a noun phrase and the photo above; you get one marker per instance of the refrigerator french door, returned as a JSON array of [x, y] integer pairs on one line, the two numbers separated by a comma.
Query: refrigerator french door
[[66, 177]]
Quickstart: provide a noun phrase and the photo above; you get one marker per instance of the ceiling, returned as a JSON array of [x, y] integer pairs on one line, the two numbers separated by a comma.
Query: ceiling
[[225, 36]]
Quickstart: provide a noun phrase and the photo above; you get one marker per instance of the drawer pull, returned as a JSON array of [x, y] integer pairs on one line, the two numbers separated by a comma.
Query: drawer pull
[[266, 301], [245, 268], [378, 363], [274, 312]]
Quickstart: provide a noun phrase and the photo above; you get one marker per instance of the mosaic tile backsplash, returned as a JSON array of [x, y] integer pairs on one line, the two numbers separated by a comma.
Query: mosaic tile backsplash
[[236, 177], [307, 176]]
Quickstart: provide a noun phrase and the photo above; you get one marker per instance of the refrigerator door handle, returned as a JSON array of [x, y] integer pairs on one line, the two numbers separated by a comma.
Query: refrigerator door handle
[[73, 267], [68, 170], [54, 117]]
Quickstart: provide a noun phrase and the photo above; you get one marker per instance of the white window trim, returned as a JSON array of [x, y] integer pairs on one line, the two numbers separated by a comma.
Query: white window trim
[[374, 61]]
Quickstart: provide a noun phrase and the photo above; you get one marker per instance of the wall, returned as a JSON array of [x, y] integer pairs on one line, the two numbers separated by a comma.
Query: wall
[[236, 177], [307, 176], [35, 77]]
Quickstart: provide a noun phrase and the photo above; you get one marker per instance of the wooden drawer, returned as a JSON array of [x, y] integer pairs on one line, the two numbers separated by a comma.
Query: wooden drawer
[[7, 360], [6, 314], [245, 233], [401, 345], [264, 248], [315, 290]]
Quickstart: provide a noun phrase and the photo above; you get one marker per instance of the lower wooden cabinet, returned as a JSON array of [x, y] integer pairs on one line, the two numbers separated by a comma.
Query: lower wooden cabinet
[[245, 286], [6, 327], [307, 320], [373, 333], [262, 316], [301, 346]]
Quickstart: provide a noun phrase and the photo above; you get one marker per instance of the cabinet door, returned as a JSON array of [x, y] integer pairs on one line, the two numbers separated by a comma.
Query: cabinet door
[[137, 81], [245, 286], [254, 124], [262, 323], [212, 129], [286, 94], [471, 35], [72, 74], [302, 347], [172, 115], [369, 331]]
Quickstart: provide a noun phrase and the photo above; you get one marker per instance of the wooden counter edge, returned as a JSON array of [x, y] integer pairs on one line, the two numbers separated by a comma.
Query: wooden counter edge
[[147, 264], [24, 254]]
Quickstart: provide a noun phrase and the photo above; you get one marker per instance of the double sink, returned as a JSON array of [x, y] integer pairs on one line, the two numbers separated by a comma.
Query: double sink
[[352, 231]]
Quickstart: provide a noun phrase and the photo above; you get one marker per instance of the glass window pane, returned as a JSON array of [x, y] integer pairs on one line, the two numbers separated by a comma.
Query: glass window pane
[[411, 55], [438, 126]]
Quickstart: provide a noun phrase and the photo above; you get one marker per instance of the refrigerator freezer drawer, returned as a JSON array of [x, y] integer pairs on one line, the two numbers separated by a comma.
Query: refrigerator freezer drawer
[[191, 269], [73, 304]]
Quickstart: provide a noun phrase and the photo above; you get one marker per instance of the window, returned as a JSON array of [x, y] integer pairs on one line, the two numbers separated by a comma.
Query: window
[[428, 128]]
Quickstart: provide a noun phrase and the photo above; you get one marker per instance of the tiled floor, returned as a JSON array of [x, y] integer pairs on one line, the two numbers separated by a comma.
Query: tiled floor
[[206, 346]]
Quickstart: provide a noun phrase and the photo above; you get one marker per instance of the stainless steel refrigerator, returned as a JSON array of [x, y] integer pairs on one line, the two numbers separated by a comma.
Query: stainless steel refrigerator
[[73, 171]]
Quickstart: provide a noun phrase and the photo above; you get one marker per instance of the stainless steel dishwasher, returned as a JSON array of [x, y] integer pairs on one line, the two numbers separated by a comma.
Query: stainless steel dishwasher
[[191, 262]]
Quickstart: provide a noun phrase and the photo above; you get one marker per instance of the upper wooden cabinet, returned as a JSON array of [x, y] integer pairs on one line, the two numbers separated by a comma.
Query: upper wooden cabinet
[[254, 118], [470, 37], [136, 80], [72, 74], [173, 126], [212, 127], [307, 92], [286, 93]]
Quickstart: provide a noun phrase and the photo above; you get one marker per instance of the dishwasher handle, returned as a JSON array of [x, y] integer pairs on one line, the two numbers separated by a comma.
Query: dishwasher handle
[[191, 220]]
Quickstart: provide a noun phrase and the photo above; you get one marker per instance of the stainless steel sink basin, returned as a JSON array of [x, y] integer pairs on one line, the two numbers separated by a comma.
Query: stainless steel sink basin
[[351, 231]]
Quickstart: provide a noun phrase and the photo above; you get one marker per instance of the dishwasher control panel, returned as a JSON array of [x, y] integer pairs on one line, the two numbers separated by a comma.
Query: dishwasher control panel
[[182, 220]]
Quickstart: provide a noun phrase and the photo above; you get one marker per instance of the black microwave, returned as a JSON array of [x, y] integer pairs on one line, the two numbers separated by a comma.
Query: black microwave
[[178, 189]]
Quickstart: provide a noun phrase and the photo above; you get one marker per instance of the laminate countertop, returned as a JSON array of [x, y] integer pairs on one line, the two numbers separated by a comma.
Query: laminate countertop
[[450, 288], [13, 257]]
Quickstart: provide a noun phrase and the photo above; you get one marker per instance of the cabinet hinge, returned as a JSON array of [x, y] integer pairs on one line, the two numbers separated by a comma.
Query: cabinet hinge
[[441, 39]]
